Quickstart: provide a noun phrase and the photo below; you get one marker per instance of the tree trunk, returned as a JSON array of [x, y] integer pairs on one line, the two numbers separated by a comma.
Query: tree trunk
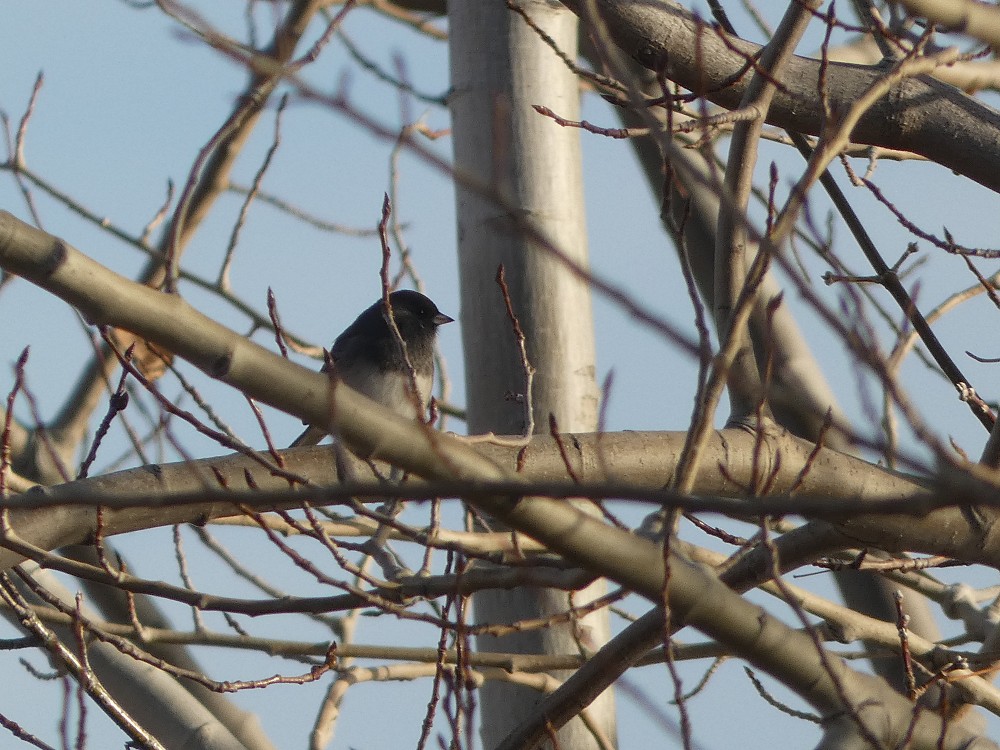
[[499, 68]]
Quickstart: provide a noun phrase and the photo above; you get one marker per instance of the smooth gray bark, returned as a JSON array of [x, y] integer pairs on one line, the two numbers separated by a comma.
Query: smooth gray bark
[[499, 68]]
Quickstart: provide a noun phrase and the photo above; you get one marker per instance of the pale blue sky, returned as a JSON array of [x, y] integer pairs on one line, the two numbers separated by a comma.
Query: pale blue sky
[[128, 101]]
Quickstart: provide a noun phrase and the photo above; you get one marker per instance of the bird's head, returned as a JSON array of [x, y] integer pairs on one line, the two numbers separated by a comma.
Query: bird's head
[[414, 313]]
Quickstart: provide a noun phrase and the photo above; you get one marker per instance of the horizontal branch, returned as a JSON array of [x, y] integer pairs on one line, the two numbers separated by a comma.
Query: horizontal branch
[[872, 506]]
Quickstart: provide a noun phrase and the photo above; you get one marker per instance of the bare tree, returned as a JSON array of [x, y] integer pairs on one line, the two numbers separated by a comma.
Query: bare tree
[[294, 561]]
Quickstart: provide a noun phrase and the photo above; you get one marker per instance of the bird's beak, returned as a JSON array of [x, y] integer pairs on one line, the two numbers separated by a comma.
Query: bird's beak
[[440, 319]]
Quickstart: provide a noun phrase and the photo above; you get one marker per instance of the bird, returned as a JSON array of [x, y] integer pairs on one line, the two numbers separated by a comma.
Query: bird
[[368, 358]]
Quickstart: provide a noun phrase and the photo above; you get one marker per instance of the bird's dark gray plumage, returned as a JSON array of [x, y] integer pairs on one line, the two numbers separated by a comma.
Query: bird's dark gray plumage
[[368, 358]]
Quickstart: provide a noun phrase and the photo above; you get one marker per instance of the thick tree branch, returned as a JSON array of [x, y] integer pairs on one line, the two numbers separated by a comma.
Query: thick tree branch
[[104, 297], [919, 114]]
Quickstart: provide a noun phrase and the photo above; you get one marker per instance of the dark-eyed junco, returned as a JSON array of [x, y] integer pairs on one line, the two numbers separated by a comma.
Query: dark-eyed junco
[[368, 358]]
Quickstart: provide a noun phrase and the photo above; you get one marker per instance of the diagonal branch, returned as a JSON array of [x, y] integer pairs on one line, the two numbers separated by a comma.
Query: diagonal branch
[[732, 264], [696, 595]]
